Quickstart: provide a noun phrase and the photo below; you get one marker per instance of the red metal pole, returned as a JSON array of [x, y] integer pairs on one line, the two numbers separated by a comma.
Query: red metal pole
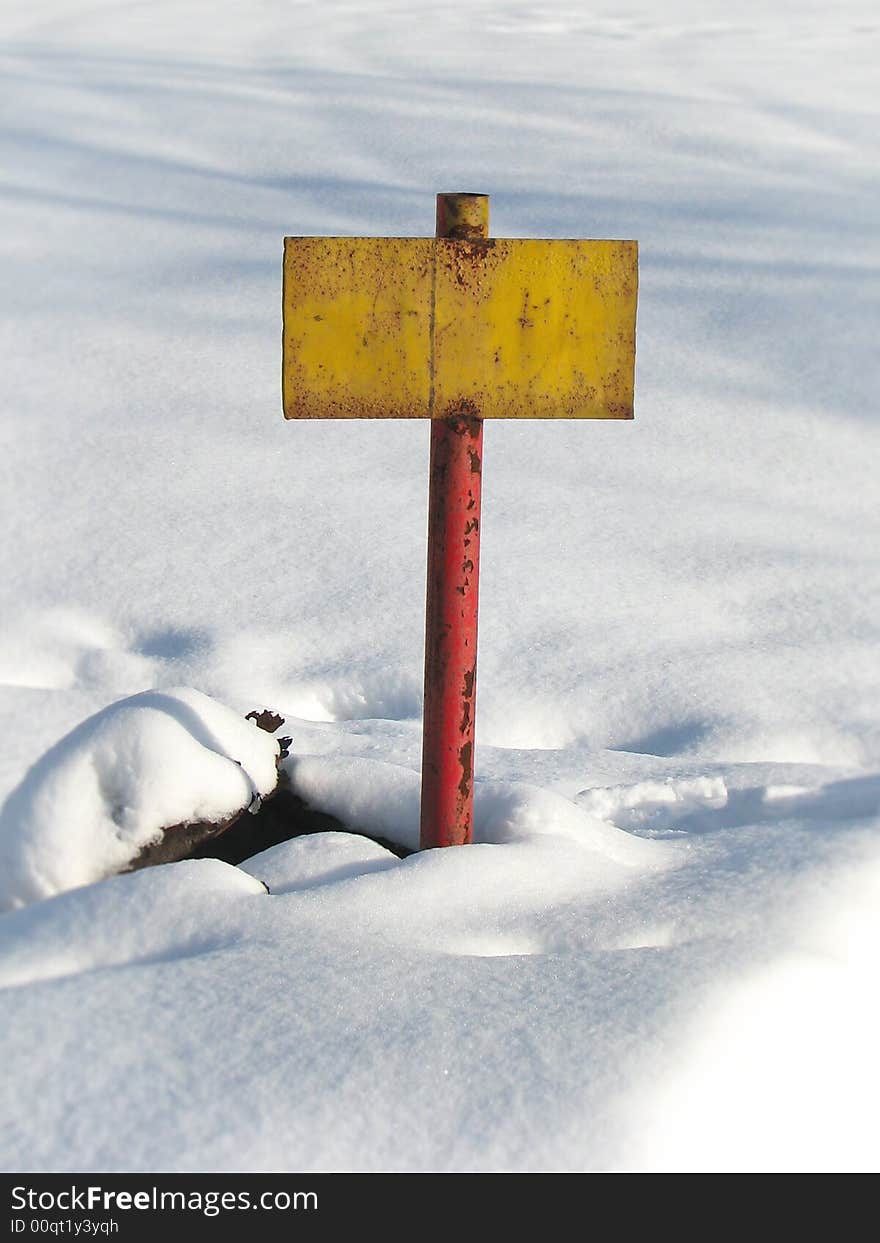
[[452, 592]]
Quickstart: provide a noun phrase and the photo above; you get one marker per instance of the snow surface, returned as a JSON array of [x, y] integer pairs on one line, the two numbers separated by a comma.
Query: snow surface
[[661, 953]]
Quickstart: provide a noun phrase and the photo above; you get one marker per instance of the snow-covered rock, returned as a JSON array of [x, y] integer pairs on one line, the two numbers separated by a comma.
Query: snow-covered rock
[[112, 786]]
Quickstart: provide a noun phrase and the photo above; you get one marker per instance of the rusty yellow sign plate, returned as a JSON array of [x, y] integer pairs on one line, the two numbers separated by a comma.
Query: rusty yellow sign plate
[[428, 328]]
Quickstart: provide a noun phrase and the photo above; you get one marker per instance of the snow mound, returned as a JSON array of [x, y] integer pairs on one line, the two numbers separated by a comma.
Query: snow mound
[[318, 859], [163, 914], [88, 807], [383, 799], [654, 807], [370, 796]]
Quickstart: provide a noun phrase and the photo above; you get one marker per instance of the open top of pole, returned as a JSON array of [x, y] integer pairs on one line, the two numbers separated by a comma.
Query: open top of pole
[[462, 217]]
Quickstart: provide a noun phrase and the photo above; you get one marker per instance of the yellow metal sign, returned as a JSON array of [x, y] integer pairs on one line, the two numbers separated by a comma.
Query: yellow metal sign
[[429, 328]]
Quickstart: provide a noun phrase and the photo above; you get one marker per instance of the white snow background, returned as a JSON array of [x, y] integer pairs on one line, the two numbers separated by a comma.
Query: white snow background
[[662, 952]]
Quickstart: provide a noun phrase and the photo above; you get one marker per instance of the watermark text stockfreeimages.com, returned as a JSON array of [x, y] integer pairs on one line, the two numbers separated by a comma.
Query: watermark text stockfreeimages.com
[[95, 1198]]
